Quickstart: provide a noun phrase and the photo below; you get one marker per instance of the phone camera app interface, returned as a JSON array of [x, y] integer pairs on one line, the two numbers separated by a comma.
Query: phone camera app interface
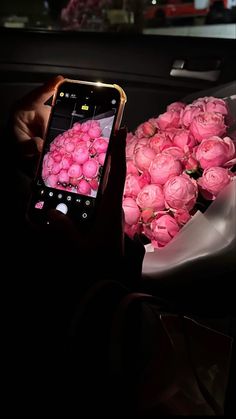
[[78, 138]]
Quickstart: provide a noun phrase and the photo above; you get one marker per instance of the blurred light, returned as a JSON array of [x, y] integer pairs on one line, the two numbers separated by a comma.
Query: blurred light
[[98, 83], [154, 1]]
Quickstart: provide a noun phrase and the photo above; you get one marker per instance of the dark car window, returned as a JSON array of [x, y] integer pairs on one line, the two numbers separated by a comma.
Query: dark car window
[[208, 18]]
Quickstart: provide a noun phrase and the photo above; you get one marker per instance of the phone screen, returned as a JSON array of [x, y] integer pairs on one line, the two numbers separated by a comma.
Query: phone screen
[[75, 150]]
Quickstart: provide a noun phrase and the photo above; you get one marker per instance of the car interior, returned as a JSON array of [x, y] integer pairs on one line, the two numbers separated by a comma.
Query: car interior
[[154, 70]]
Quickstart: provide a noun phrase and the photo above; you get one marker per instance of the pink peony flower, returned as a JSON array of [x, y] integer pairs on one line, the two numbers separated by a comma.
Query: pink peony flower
[[84, 188], [95, 132], [75, 170], [133, 229], [56, 156], [147, 215], [100, 145], [130, 146], [189, 113], [215, 151], [213, 180], [169, 119], [214, 104], [143, 158], [131, 168], [144, 179], [176, 152], [132, 186], [81, 153], [176, 106], [159, 142], [163, 167], [90, 168], [69, 147], [51, 181], [56, 168], [207, 125], [147, 129], [163, 228], [63, 176], [191, 164], [131, 211], [182, 216], [101, 158], [180, 192], [151, 196], [94, 184], [66, 162], [184, 138]]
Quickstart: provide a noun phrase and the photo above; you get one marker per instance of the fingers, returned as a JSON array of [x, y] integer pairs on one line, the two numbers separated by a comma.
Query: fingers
[[113, 194], [41, 94], [60, 223], [109, 220], [30, 148]]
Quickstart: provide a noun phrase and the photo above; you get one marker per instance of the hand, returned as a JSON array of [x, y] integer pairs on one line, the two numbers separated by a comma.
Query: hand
[[100, 249], [30, 120]]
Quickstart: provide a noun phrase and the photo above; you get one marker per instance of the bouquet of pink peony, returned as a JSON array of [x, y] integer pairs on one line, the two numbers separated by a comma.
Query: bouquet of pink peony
[[177, 164]]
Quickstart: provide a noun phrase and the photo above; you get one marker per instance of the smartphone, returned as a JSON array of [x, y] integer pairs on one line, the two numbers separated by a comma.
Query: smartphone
[[75, 157]]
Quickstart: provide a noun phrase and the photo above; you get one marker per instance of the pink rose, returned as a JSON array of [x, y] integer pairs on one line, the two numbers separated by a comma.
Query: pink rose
[[215, 151], [147, 129], [184, 138], [213, 180], [151, 196], [189, 113], [207, 125], [159, 142], [176, 106], [163, 229], [168, 120], [143, 158], [163, 167], [131, 211], [180, 192], [132, 187]]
